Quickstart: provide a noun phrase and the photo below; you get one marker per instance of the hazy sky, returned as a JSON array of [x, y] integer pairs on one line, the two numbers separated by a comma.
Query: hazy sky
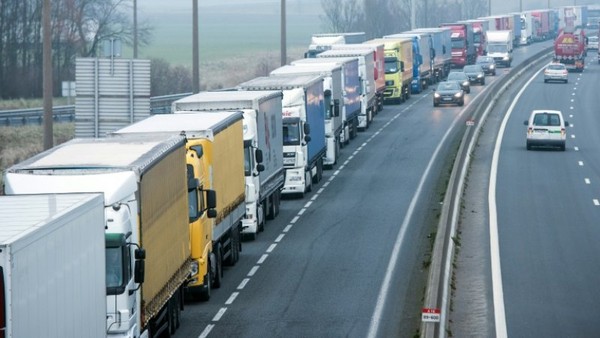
[[498, 6]]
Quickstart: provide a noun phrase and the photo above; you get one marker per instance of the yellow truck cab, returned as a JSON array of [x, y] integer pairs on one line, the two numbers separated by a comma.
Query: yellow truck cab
[[398, 68]]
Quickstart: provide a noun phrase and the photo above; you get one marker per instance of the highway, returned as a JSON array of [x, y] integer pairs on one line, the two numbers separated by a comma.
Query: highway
[[544, 282], [350, 259]]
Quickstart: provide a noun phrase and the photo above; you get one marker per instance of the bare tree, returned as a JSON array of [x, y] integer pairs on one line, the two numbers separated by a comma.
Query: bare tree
[[343, 15], [474, 8], [77, 28]]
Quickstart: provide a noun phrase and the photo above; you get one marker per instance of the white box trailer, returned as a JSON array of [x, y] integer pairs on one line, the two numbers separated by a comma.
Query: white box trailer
[[52, 266]]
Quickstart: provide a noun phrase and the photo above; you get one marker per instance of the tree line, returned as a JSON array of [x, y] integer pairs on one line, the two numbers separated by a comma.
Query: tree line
[[79, 27], [382, 17]]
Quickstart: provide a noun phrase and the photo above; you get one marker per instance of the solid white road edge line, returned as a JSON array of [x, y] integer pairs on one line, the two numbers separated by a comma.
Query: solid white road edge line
[[497, 288]]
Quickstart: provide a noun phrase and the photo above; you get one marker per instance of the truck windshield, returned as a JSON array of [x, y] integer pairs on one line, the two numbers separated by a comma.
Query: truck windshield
[[248, 160], [116, 274], [496, 48], [458, 43], [291, 133], [391, 65]]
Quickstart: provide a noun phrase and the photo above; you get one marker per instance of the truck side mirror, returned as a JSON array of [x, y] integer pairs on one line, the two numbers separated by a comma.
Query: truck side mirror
[[140, 271], [336, 107], [307, 138], [140, 266], [260, 168], [306, 128], [211, 199], [401, 66], [259, 155]]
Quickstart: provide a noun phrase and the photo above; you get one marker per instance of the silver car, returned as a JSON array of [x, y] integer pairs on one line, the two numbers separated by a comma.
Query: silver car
[[556, 72]]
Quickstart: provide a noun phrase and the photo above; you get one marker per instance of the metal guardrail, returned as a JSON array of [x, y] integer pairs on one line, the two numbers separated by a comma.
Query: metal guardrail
[[20, 117]]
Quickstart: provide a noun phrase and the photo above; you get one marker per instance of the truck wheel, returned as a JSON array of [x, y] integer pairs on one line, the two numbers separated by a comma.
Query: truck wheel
[[233, 247], [174, 313], [218, 269]]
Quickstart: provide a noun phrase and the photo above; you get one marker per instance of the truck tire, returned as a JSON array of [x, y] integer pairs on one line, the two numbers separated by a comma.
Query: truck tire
[[174, 308], [218, 268], [235, 247]]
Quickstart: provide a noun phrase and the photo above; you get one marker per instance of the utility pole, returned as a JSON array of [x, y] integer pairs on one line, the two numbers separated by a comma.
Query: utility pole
[[135, 32], [283, 35], [195, 49], [413, 14], [47, 75]]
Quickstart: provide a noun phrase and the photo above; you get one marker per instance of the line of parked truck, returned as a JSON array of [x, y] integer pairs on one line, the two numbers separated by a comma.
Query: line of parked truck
[[124, 228]]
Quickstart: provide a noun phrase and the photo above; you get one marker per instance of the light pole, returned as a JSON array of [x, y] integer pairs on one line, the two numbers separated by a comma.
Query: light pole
[[47, 75], [195, 49], [283, 35]]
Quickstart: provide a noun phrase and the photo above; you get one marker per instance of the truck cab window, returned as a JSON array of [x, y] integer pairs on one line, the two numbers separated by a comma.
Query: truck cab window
[[391, 65], [116, 270], [248, 160], [291, 133]]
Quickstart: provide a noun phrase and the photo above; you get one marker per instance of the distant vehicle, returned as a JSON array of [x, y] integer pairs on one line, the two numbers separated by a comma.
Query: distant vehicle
[[475, 74], [546, 128], [592, 43], [556, 72], [461, 78], [448, 92], [487, 63]]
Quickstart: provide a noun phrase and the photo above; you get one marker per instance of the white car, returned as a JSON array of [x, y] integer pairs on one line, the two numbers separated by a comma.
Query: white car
[[556, 72], [592, 43], [546, 128]]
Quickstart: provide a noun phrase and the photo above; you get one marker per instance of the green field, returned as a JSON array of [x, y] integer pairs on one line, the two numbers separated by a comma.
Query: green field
[[229, 32]]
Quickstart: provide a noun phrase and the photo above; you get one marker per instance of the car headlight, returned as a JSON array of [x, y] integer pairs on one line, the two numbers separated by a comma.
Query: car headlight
[[479, 75], [466, 83], [492, 66], [436, 95], [459, 94]]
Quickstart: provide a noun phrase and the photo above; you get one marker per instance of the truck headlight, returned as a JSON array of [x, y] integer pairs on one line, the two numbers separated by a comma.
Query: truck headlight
[[436, 95], [194, 268], [505, 58], [492, 66]]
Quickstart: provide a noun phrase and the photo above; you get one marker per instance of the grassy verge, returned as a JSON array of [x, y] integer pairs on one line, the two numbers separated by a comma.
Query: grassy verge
[[20, 143]]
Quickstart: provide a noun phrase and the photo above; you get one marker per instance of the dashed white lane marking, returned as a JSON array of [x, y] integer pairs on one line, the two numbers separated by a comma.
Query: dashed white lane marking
[[576, 148], [232, 298], [243, 283], [572, 100], [264, 256], [272, 247], [587, 181], [253, 270], [219, 314], [596, 202], [206, 331], [573, 136], [580, 163]]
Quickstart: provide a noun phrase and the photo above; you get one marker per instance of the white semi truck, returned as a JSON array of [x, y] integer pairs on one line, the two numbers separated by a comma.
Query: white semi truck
[[263, 147], [52, 266], [146, 213], [303, 112], [366, 70], [333, 87]]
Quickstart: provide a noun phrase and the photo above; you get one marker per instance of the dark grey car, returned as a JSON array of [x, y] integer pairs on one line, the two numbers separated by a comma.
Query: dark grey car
[[475, 74], [487, 63], [461, 78], [448, 92]]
